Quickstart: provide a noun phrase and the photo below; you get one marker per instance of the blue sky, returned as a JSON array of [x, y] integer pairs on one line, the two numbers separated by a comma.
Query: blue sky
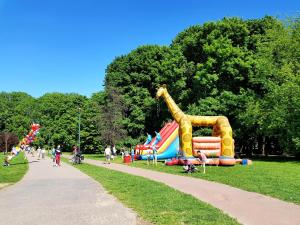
[[65, 45]]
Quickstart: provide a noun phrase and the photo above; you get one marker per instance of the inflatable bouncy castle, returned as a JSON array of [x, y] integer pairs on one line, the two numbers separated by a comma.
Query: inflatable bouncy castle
[[177, 143], [219, 148]]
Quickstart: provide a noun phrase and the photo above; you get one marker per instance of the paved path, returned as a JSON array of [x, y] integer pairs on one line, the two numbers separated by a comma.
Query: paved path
[[248, 207], [59, 195]]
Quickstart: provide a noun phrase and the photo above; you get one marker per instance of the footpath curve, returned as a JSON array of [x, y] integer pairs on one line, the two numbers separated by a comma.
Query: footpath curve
[[60, 195], [247, 207]]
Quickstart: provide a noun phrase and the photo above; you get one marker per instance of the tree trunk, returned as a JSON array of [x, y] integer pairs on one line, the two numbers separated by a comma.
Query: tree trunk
[[267, 146], [6, 136], [264, 147]]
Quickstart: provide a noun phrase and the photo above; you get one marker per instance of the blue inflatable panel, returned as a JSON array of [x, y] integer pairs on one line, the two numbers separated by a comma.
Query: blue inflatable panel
[[170, 152]]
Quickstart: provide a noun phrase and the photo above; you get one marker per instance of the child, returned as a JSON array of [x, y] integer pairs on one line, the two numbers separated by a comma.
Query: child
[[148, 156], [188, 166], [7, 159]]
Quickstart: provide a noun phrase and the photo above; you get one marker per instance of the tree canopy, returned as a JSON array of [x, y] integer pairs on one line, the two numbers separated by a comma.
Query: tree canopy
[[247, 70]]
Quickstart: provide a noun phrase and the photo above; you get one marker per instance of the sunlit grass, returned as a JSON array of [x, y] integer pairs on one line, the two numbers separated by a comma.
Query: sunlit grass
[[17, 169], [156, 202], [279, 179]]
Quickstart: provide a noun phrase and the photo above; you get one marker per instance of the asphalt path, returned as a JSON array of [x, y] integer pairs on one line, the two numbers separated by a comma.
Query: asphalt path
[[63, 195]]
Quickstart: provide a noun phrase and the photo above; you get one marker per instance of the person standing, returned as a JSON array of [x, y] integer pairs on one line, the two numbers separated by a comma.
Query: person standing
[[43, 151], [132, 155], [107, 153], [154, 155], [112, 155], [122, 153], [114, 151], [203, 159], [148, 156]]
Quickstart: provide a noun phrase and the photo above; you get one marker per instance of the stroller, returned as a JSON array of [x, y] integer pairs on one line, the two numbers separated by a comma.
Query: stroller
[[77, 158], [188, 167]]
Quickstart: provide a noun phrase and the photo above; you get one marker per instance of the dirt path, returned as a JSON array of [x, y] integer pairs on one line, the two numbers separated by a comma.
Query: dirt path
[[60, 195], [248, 207]]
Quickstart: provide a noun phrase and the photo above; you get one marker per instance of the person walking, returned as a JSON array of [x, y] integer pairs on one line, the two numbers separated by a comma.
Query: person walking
[[57, 156], [43, 151], [122, 153], [107, 153], [53, 156], [39, 152]]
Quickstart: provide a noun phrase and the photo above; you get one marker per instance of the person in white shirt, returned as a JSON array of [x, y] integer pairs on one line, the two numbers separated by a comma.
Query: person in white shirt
[[107, 153], [39, 151]]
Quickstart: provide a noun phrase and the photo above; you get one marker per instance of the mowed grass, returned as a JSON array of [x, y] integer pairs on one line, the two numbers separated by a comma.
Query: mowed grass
[[155, 202], [278, 178], [13, 173]]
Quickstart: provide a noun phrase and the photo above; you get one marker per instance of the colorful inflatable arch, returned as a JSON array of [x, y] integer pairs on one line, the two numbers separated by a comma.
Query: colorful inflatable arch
[[31, 136]]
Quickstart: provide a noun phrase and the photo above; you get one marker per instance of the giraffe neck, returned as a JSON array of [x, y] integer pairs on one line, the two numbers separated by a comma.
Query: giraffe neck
[[172, 106]]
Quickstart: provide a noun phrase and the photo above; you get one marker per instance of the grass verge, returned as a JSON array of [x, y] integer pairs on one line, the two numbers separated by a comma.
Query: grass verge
[[15, 172], [154, 201], [278, 178]]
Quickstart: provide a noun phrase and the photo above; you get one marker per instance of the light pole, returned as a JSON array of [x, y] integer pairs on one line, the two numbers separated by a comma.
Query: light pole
[[79, 110]]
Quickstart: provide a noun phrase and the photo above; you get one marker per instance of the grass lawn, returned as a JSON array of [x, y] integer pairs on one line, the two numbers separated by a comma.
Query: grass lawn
[[278, 178], [155, 202], [13, 173]]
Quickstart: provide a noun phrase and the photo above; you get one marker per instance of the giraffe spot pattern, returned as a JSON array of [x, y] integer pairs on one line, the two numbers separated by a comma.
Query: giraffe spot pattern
[[187, 137], [227, 141]]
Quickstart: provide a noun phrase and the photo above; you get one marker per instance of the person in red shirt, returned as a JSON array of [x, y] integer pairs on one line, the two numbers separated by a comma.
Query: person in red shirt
[[57, 156]]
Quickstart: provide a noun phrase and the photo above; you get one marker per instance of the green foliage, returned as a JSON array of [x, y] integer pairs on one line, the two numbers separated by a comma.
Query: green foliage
[[247, 70], [137, 75], [231, 67], [58, 115], [109, 120], [16, 109]]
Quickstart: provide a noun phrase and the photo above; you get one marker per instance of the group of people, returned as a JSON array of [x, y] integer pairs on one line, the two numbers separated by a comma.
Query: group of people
[[56, 155], [110, 152], [41, 153], [152, 152], [190, 167]]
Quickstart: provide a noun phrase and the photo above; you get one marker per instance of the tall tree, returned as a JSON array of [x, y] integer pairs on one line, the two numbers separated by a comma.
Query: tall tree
[[110, 118]]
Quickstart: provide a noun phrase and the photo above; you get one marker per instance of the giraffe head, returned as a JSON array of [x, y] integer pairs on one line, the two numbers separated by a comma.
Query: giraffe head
[[161, 90]]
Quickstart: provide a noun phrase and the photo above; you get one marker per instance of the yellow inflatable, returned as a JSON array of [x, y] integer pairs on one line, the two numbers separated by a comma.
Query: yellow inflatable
[[220, 124]]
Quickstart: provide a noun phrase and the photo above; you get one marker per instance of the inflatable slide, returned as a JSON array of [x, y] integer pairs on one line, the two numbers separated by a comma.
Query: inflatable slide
[[167, 147]]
